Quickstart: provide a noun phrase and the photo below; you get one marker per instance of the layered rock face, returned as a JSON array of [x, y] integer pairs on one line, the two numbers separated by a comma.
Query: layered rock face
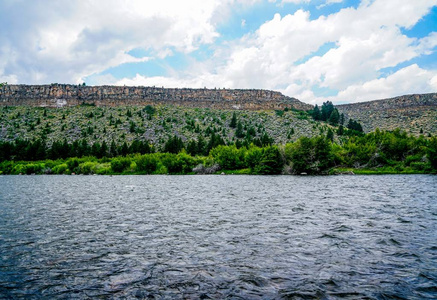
[[413, 113], [60, 95]]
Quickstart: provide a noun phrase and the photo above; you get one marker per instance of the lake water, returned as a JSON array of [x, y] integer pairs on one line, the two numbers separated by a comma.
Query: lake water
[[215, 237]]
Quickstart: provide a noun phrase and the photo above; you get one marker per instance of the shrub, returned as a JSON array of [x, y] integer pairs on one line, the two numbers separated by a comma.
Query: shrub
[[253, 157], [103, 169], [146, 163], [171, 162], [73, 164], [187, 162], [271, 162], [33, 168], [120, 164], [229, 157], [87, 167], [60, 169]]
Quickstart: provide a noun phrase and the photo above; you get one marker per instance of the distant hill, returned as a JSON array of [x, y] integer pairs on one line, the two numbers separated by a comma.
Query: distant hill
[[115, 113], [412, 113], [67, 95]]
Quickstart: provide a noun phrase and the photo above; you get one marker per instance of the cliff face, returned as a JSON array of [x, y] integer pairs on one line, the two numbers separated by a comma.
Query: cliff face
[[61, 95], [413, 113]]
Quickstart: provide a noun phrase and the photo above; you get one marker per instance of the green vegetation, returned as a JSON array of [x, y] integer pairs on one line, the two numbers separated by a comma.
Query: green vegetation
[[171, 140], [379, 152]]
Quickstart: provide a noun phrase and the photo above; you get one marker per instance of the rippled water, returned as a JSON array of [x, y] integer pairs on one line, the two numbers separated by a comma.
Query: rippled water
[[201, 237]]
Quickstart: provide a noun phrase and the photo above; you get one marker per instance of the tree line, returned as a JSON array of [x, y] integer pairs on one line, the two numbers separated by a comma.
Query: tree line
[[380, 151]]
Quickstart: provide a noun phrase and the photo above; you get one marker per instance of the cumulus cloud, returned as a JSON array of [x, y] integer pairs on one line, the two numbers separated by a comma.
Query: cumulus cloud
[[344, 53], [366, 40], [64, 41], [409, 80]]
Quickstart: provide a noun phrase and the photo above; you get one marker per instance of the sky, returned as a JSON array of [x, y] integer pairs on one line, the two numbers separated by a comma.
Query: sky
[[344, 51]]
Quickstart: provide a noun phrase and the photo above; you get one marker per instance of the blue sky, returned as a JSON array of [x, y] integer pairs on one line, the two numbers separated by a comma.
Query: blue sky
[[315, 50]]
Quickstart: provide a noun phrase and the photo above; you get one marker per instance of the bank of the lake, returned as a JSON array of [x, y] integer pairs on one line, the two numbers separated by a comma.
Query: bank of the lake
[[374, 153]]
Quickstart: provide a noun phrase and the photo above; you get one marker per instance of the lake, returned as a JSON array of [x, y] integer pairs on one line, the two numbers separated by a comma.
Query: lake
[[215, 237]]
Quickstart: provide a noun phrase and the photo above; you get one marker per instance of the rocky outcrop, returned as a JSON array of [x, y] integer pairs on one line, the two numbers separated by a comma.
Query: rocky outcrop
[[413, 113], [60, 95]]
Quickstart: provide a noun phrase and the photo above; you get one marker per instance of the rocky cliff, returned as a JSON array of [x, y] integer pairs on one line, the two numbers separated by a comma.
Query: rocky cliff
[[60, 95], [413, 113]]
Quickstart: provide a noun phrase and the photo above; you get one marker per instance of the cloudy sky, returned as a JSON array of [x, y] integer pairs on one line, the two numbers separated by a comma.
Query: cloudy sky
[[315, 50]]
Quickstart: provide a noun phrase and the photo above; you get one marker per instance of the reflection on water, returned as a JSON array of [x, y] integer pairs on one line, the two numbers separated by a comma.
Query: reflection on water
[[202, 237]]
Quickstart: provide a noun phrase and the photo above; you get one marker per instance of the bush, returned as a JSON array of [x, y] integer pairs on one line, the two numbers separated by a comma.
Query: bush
[[120, 164], [229, 157], [87, 167], [253, 157], [73, 165], [33, 168], [146, 163], [310, 155], [420, 166], [187, 162], [60, 169], [171, 162], [271, 162], [103, 169]]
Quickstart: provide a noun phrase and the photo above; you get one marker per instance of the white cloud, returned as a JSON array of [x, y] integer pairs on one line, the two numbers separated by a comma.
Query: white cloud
[[409, 80], [367, 39], [64, 41]]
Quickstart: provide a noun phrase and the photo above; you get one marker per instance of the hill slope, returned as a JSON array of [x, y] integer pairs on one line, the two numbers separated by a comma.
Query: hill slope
[[107, 113], [155, 124], [411, 113]]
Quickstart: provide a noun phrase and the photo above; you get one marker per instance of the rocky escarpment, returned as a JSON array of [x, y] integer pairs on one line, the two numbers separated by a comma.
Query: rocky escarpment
[[60, 95], [415, 114]]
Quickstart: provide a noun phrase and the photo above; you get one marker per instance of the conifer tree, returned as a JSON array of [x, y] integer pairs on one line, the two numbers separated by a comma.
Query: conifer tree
[[316, 113], [233, 123]]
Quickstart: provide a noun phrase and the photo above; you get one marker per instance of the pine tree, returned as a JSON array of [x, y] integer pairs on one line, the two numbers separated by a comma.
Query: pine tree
[[316, 113], [239, 131], [334, 117], [233, 123], [113, 150], [327, 109], [330, 135]]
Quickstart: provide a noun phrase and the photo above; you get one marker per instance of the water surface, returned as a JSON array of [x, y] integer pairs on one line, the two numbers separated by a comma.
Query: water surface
[[201, 237]]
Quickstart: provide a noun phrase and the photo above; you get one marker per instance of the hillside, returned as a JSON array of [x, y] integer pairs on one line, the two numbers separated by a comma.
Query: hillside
[[155, 124], [109, 113], [114, 113], [412, 113]]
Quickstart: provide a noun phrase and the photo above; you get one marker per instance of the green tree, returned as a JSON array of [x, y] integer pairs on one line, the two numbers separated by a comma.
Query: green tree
[[330, 135], [120, 164], [309, 155], [327, 109], [334, 118], [239, 131], [233, 123], [316, 113], [173, 145], [147, 163], [354, 125], [432, 152], [271, 162], [228, 157], [132, 127]]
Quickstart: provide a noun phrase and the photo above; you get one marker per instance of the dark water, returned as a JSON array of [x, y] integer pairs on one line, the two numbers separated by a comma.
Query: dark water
[[201, 237]]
